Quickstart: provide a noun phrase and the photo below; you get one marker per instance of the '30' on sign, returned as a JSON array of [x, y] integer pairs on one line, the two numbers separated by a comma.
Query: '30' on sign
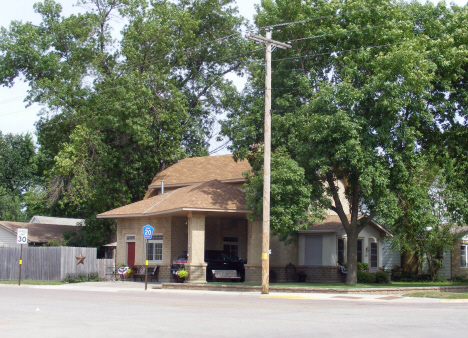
[[22, 236]]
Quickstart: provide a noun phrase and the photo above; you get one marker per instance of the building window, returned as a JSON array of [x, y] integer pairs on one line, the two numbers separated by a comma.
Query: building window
[[155, 245], [341, 251], [231, 245], [373, 255], [359, 250], [463, 256]]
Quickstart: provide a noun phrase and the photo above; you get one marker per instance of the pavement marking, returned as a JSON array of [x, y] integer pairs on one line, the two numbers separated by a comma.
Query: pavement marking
[[347, 297], [288, 297], [390, 297], [454, 300]]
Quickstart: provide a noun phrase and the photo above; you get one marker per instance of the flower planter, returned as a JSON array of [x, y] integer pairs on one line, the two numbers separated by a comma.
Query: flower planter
[[301, 278], [180, 280]]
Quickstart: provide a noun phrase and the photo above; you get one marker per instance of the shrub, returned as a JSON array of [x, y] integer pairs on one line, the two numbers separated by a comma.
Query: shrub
[[381, 277], [365, 277], [82, 277], [461, 279], [363, 266]]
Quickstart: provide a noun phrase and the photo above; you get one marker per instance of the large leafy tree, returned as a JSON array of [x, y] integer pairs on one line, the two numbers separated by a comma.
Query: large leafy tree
[[119, 110], [365, 89], [18, 174]]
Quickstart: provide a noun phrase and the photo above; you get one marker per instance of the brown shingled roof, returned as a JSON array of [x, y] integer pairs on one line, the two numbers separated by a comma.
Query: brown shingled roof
[[201, 169], [39, 233], [208, 196], [332, 223]]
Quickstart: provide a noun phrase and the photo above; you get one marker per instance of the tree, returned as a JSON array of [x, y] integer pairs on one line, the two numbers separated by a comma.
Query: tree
[[357, 97], [117, 112], [425, 227], [290, 202], [18, 174]]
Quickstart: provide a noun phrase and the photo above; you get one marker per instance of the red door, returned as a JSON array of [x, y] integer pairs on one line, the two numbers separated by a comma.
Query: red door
[[131, 254]]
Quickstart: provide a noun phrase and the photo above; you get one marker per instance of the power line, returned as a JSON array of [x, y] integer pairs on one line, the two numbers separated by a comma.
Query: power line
[[322, 17]]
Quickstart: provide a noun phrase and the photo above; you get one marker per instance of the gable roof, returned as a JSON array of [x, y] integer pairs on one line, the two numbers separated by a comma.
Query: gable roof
[[38, 233], [207, 196], [56, 220], [201, 169], [332, 224]]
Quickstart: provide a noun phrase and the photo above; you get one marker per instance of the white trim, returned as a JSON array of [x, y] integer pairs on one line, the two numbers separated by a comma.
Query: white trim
[[175, 210], [155, 204], [234, 180], [11, 231], [154, 241], [233, 243], [126, 247]]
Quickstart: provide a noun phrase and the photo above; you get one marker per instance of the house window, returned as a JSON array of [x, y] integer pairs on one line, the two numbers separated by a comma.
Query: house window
[[359, 250], [373, 255], [463, 256], [155, 245], [341, 251], [231, 245]]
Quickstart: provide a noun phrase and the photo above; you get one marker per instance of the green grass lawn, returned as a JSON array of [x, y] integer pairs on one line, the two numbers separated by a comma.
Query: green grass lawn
[[434, 294], [351, 286], [30, 282]]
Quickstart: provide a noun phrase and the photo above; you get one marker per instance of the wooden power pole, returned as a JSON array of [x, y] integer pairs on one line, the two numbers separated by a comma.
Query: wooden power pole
[[269, 43]]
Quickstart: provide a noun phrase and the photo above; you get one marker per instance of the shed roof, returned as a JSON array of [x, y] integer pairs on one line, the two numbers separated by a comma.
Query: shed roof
[[201, 169], [56, 220], [207, 196], [38, 233]]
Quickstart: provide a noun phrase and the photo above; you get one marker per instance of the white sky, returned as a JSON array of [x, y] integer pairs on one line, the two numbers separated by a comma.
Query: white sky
[[14, 117]]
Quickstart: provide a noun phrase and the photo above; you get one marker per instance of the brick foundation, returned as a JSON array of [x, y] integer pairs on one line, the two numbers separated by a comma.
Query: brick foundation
[[253, 273], [197, 274], [315, 274]]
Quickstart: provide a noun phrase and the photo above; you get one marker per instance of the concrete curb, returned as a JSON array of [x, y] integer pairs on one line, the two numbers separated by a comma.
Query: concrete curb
[[371, 291]]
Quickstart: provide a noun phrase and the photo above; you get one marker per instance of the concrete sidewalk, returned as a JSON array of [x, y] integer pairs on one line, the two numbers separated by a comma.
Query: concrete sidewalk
[[221, 290]]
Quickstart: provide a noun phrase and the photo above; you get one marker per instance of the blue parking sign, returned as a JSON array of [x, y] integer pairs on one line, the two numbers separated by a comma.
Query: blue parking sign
[[148, 231]]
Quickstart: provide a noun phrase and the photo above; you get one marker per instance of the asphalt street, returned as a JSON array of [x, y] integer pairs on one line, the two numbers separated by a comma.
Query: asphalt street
[[118, 310]]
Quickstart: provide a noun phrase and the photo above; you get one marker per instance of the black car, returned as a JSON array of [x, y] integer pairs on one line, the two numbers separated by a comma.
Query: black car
[[215, 260]]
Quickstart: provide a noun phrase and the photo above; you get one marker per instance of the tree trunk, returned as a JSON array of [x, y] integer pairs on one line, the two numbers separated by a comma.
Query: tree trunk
[[351, 276]]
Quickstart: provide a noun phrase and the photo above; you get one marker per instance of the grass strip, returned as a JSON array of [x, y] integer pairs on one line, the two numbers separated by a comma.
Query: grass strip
[[30, 282], [434, 294], [350, 286]]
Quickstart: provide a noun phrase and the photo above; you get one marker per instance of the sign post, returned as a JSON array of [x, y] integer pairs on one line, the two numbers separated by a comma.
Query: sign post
[[147, 234], [21, 238]]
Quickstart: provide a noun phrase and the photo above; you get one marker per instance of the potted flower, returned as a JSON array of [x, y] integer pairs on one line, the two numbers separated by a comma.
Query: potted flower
[[182, 274], [129, 273], [301, 276]]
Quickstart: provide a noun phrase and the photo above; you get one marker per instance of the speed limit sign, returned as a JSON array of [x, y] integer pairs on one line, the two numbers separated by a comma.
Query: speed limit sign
[[22, 236]]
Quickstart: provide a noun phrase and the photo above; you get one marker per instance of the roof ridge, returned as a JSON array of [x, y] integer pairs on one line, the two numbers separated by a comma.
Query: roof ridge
[[155, 204]]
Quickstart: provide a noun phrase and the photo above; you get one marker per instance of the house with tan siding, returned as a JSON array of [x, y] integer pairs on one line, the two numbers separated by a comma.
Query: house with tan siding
[[198, 204]]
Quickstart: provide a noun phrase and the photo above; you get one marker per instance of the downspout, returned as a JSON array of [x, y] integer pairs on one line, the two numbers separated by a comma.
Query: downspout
[[162, 187]]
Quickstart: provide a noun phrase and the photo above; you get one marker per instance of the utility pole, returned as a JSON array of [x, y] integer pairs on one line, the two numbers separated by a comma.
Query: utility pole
[[269, 43]]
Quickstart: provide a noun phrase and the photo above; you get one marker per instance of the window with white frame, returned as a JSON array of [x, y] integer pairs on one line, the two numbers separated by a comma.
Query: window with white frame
[[231, 245], [463, 256], [155, 246], [373, 255]]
